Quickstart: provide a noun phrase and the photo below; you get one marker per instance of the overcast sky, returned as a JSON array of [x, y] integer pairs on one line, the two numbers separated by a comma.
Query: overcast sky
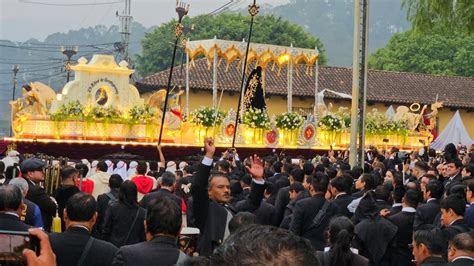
[[20, 21]]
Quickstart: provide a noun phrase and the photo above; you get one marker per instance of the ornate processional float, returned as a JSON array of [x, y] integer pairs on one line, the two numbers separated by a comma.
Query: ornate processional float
[[100, 106]]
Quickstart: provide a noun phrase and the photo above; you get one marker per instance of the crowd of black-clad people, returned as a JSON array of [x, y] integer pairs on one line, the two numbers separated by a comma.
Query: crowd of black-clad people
[[400, 208]]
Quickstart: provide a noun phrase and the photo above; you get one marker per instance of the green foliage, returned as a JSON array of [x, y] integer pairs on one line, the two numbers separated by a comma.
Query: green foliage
[[106, 114], [70, 111], [269, 29], [444, 15], [289, 120], [378, 123], [440, 54], [207, 117]]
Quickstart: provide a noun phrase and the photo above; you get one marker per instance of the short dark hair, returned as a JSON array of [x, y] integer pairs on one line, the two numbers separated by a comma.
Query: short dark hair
[[102, 166], [433, 240], [308, 168], [115, 181], [455, 203], [369, 181], [463, 242], [264, 245], [82, 168], [457, 163], [10, 198], [412, 197], [217, 174], [188, 169], [246, 179], [339, 183], [168, 179], [153, 165], [398, 193], [436, 189], [470, 169], [331, 172], [287, 167], [68, 172], [319, 168], [320, 182], [297, 174], [421, 165], [163, 216], [277, 167], [240, 220], [457, 189], [141, 168], [296, 187], [81, 207], [224, 165]]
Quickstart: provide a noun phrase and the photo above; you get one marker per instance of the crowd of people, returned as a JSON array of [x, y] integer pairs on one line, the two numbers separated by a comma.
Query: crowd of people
[[400, 208]]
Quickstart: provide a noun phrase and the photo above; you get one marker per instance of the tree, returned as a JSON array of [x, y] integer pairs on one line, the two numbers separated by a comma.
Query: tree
[[425, 15], [158, 45], [438, 54]]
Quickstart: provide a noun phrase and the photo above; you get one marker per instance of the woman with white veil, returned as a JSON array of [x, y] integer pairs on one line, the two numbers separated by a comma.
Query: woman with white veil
[[132, 169], [93, 168], [121, 169]]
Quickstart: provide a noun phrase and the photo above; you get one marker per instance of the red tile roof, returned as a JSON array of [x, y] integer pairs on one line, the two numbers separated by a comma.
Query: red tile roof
[[383, 86]]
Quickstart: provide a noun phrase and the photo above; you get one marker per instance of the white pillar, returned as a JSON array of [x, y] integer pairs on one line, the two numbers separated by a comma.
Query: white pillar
[[214, 76], [316, 84], [187, 85], [290, 82]]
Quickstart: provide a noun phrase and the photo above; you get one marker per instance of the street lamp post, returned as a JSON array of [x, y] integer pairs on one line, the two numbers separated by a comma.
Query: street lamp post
[[68, 51], [15, 70], [182, 10]]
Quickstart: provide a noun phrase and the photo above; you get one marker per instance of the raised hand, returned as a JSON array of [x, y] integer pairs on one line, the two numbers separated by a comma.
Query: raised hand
[[256, 167], [209, 147]]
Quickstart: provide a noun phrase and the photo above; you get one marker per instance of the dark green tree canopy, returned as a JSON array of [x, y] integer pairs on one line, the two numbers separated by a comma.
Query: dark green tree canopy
[[428, 15], [439, 54], [158, 45]]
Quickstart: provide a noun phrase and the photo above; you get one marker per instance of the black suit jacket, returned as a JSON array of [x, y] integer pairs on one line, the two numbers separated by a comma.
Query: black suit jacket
[[462, 262], [148, 198], [433, 261], [341, 202], [69, 245], [47, 206], [161, 250], [118, 223], [395, 210], [282, 200], [449, 183], [102, 203], [265, 213], [211, 217], [426, 213], [457, 227], [404, 222], [11, 222], [356, 260], [302, 222]]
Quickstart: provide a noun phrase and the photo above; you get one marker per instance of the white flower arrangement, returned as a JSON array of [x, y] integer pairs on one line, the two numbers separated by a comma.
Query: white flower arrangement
[[207, 117], [289, 120], [256, 118]]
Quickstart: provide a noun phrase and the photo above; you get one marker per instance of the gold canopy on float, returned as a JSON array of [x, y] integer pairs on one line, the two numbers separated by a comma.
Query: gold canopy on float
[[262, 54]]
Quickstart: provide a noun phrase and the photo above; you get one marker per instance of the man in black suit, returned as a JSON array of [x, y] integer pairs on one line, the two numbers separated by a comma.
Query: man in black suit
[[338, 188], [162, 226], [168, 183], [382, 194], [103, 201], [302, 223], [429, 246], [75, 246], [461, 250], [426, 213], [278, 174], [452, 216], [211, 196], [452, 173], [265, 214], [11, 206], [397, 196], [33, 171], [404, 222], [283, 197]]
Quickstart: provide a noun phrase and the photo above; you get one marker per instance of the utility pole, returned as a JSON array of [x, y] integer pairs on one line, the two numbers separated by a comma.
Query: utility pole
[[359, 83], [125, 25], [15, 70], [68, 51]]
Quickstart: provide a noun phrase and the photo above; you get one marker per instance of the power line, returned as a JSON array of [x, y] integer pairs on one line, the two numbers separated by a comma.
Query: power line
[[71, 4]]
